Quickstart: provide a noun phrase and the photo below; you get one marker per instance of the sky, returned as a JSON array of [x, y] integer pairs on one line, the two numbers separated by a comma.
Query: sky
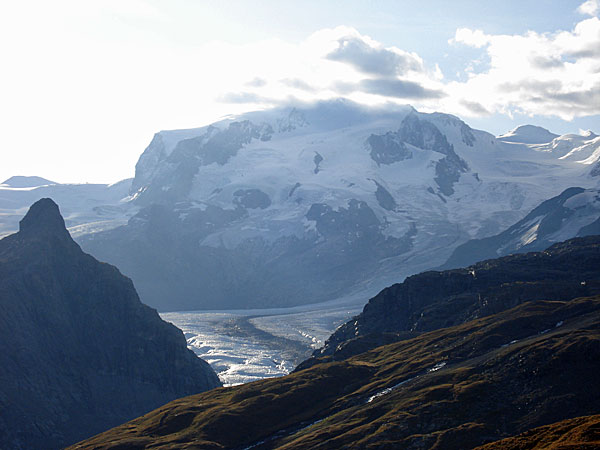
[[84, 84]]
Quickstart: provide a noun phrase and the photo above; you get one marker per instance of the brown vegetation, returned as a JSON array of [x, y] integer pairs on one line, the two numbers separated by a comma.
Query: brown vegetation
[[453, 388]]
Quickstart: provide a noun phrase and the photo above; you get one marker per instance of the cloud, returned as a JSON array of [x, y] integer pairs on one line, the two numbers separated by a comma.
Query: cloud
[[549, 74], [546, 62], [256, 82], [589, 8], [297, 83], [395, 88], [533, 73], [243, 97], [472, 38], [370, 57], [579, 102], [391, 88], [329, 63], [476, 108]]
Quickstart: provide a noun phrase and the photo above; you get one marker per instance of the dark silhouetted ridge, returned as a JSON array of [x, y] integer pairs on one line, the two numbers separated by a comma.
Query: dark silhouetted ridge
[[79, 352], [522, 350], [43, 218]]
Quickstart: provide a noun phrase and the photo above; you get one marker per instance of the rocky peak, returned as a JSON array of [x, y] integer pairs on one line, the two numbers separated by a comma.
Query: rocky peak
[[43, 218]]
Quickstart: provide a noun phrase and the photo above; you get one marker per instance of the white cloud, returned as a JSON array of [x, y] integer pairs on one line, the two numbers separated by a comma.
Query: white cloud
[[472, 38], [330, 63], [368, 56], [590, 7], [534, 73]]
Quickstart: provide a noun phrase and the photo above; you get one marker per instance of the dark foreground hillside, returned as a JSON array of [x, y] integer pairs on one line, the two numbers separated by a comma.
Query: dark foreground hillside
[[453, 388], [79, 352]]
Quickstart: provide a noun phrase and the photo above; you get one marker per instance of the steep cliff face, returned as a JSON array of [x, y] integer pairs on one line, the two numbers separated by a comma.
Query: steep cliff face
[[79, 352]]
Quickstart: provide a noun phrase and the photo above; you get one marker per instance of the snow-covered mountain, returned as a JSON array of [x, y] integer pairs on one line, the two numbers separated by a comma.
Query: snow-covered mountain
[[20, 181], [581, 148], [298, 205], [528, 134], [575, 212], [87, 208]]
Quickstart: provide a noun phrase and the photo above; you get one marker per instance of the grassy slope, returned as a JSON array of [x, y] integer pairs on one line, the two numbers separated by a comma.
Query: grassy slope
[[580, 433], [487, 390]]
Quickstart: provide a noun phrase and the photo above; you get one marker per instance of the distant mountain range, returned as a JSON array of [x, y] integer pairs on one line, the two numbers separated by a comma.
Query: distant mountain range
[[87, 208], [299, 205], [285, 207], [79, 352], [27, 182], [481, 354]]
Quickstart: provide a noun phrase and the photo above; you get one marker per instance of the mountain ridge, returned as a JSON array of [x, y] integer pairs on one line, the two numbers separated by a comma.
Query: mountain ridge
[[528, 134], [225, 216], [80, 352], [434, 299], [20, 181]]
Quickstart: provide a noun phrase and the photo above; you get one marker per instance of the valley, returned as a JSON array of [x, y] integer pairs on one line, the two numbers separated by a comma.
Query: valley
[[249, 345], [454, 388]]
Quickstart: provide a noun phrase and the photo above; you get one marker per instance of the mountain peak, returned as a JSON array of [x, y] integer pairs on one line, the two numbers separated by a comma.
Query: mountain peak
[[528, 134], [144, 361], [20, 181], [588, 134], [43, 217]]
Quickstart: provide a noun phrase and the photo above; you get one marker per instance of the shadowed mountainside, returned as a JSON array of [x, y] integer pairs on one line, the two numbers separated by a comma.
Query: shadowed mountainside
[[79, 352], [433, 300]]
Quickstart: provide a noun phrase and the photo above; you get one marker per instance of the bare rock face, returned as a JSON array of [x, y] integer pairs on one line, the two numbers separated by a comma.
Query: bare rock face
[[79, 352]]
